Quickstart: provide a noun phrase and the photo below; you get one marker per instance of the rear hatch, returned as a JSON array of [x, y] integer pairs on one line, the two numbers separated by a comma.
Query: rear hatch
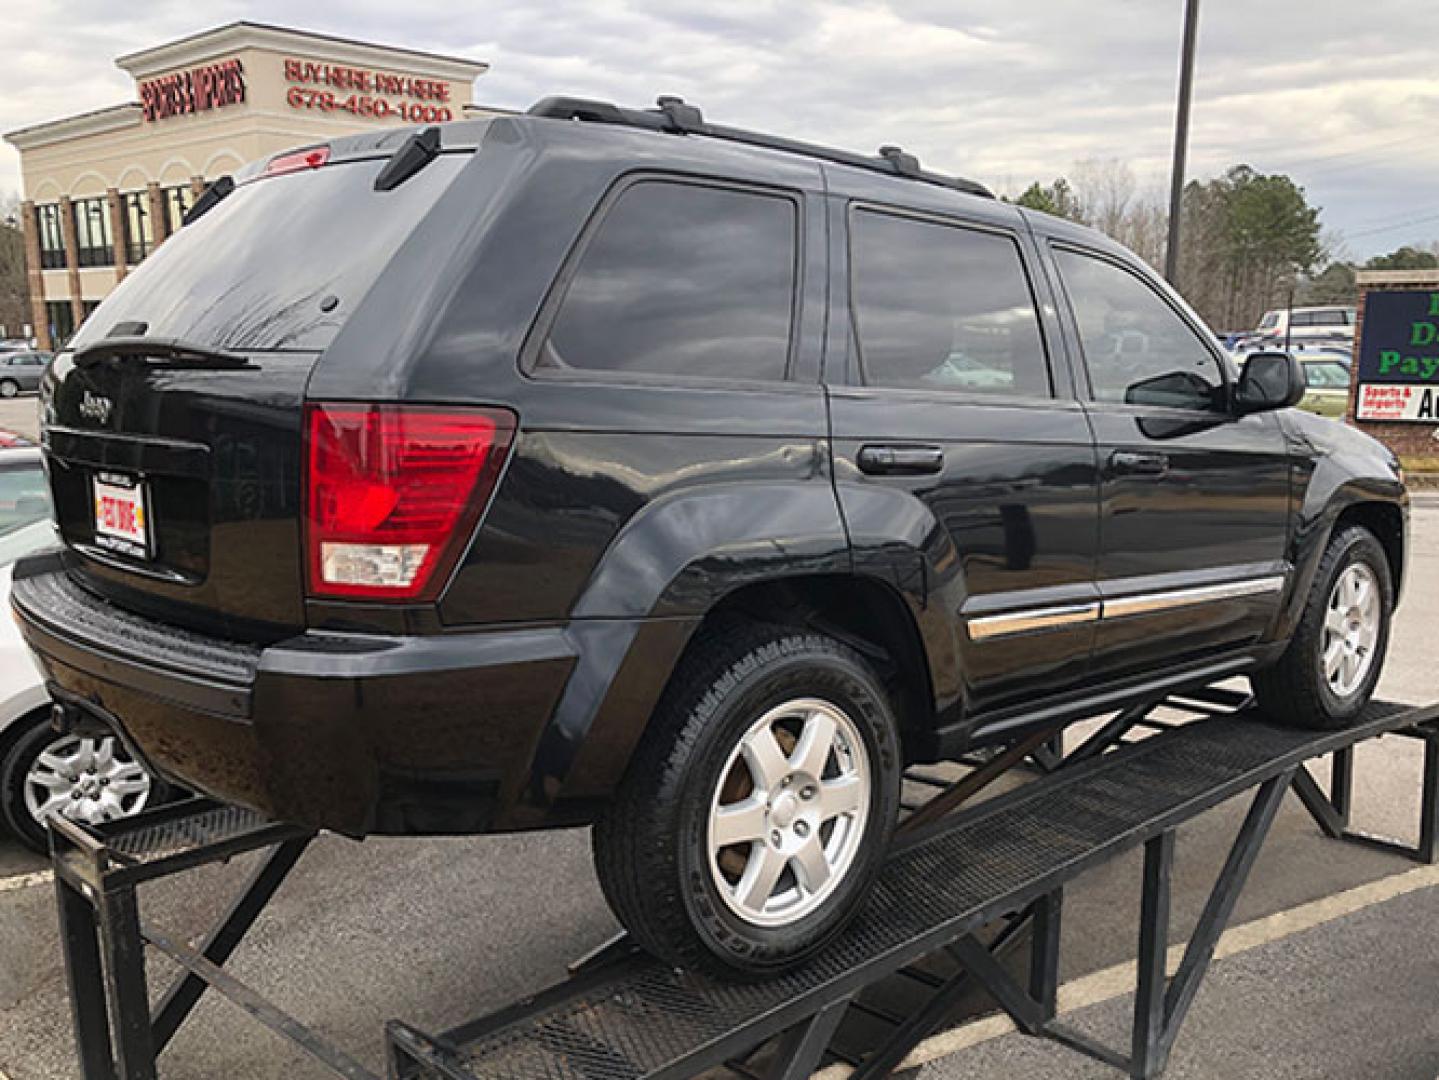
[[173, 421]]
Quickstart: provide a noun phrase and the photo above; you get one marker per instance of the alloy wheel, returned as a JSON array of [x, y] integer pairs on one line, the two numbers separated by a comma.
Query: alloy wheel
[[1351, 629], [789, 812]]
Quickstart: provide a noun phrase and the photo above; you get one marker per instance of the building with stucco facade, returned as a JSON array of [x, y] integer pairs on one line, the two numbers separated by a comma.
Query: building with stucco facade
[[103, 189]]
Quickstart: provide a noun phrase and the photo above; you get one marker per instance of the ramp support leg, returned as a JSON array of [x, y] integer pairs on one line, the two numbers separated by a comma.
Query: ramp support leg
[[1160, 1007], [1160, 1004], [128, 997], [802, 1046], [84, 977], [1044, 953], [1331, 810], [1145, 1050]]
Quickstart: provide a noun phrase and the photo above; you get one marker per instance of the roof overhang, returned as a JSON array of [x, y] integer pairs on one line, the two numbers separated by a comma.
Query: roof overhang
[[97, 122]]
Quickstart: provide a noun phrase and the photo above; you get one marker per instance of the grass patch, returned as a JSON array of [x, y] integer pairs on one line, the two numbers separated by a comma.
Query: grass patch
[[1420, 463]]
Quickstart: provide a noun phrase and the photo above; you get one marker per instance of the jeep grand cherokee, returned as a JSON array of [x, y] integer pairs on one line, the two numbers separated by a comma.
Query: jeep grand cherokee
[[607, 466]]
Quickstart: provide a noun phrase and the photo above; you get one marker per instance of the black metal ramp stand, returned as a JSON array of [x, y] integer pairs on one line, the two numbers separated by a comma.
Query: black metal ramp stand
[[958, 870], [97, 872], [965, 886]]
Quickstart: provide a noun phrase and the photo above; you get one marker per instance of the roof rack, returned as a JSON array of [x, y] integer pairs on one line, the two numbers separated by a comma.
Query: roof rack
[[675, 117]]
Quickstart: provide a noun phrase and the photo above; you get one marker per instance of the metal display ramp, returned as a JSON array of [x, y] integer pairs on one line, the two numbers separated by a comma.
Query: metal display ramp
[[996, 868]]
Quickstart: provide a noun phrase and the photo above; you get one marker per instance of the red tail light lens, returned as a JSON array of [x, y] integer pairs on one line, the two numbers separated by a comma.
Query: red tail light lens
[[393, 493], [297, 161]]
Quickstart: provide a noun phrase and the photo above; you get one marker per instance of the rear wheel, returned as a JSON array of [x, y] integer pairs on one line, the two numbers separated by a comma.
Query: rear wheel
[[9, 388], [759, 806], [1329, 670]]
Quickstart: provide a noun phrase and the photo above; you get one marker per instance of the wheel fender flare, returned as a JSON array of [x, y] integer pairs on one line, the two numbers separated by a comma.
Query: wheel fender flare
[[1330, 492]]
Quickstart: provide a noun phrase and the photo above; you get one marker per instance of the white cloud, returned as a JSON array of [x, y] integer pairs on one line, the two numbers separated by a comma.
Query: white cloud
[[1340, 96]]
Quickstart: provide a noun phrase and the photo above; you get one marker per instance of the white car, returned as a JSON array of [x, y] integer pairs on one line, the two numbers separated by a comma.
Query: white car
[[1304, 324], [42, 772]]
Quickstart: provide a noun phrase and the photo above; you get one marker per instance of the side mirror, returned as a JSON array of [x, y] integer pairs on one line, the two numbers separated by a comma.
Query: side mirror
[[1269, 380]]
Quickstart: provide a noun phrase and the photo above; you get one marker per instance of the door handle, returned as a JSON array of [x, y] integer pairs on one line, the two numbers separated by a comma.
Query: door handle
[[900, 460], [1139, 462]]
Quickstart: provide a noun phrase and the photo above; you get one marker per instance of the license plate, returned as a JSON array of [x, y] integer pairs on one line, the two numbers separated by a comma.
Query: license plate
[[122, 522]]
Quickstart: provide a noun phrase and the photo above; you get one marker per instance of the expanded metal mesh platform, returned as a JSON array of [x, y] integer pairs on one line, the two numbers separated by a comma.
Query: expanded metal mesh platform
[[638, 1018]]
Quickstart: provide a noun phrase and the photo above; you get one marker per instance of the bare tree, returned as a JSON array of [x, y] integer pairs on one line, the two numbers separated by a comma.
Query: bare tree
[[1105, 187], [14, 286]]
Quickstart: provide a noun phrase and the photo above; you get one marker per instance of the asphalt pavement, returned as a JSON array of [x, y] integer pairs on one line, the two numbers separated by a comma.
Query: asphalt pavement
[[1338, 979]]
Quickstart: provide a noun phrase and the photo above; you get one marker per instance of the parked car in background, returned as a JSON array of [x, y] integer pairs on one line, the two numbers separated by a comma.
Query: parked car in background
[[20, 371], [84, 776], [1303, 324], [1326, 384]]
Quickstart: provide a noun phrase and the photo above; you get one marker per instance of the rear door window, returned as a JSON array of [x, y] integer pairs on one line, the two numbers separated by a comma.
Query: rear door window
[[681, 280], [942, 307], [251, 273], [1137, 349]]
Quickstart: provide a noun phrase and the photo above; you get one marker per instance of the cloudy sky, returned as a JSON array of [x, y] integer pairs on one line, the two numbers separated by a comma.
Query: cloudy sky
[[1342, 96]]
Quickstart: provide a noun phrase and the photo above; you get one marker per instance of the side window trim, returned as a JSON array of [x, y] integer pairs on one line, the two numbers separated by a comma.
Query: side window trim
[[1087, 390], [858, 206], [549, 308]]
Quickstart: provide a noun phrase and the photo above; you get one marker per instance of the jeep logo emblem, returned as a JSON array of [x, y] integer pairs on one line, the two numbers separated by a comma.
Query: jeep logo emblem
[[94, 407]]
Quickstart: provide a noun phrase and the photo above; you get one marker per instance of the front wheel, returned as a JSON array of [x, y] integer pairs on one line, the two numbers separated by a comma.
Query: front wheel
[[758, 808], [1332, 664], [8, 388]]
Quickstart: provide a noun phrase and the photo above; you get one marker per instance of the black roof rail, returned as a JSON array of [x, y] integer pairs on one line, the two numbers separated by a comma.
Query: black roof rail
[[673, 116]]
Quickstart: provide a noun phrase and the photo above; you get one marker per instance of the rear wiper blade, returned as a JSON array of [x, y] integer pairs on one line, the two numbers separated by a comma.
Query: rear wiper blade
[[209, 199], [414, 154], [170, 351]]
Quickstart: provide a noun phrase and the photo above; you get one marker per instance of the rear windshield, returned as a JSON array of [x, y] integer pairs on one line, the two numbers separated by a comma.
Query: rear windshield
[[252, 273]]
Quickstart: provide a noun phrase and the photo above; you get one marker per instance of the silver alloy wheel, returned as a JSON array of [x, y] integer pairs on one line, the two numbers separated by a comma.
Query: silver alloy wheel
[[86, 779], [789, 812], [1351, 629]]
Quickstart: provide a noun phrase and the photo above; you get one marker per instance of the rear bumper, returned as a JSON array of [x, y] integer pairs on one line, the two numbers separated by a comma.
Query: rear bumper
[[356, 733]]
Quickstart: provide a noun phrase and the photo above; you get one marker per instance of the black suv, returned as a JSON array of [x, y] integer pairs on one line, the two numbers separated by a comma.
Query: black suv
[[607, 466]]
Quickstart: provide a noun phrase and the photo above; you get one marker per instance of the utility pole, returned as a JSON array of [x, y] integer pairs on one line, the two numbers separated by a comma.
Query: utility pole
[[1181, 139]]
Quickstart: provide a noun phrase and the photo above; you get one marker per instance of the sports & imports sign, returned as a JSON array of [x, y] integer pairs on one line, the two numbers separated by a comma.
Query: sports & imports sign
[[1399, 357]]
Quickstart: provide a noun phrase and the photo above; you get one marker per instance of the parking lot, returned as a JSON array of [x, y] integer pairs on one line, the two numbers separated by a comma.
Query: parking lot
[[1330, 971]]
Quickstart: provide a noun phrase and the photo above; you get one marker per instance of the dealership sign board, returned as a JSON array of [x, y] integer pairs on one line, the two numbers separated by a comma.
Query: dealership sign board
[[212, 86], [1399, 357]]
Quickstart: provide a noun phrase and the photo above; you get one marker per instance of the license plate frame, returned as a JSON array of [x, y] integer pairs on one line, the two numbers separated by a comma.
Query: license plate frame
[[121, 514]]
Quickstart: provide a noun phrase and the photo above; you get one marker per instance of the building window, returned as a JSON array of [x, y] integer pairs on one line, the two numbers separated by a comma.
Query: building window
[[52, 237], [94, 242], [178, 201], [61, 320], [139, 229]]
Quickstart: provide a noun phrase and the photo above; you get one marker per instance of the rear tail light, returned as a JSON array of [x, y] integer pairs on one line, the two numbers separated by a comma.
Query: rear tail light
[[393, 493], [297, 161]]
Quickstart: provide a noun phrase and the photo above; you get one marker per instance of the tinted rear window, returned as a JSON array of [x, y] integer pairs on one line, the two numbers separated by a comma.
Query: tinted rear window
[[682, 280], [250, 274], [940, 307]]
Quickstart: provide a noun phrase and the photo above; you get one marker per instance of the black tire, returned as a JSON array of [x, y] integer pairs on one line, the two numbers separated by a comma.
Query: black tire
[[9, 388], [1295, 690], [651, 845], [22, 746]]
